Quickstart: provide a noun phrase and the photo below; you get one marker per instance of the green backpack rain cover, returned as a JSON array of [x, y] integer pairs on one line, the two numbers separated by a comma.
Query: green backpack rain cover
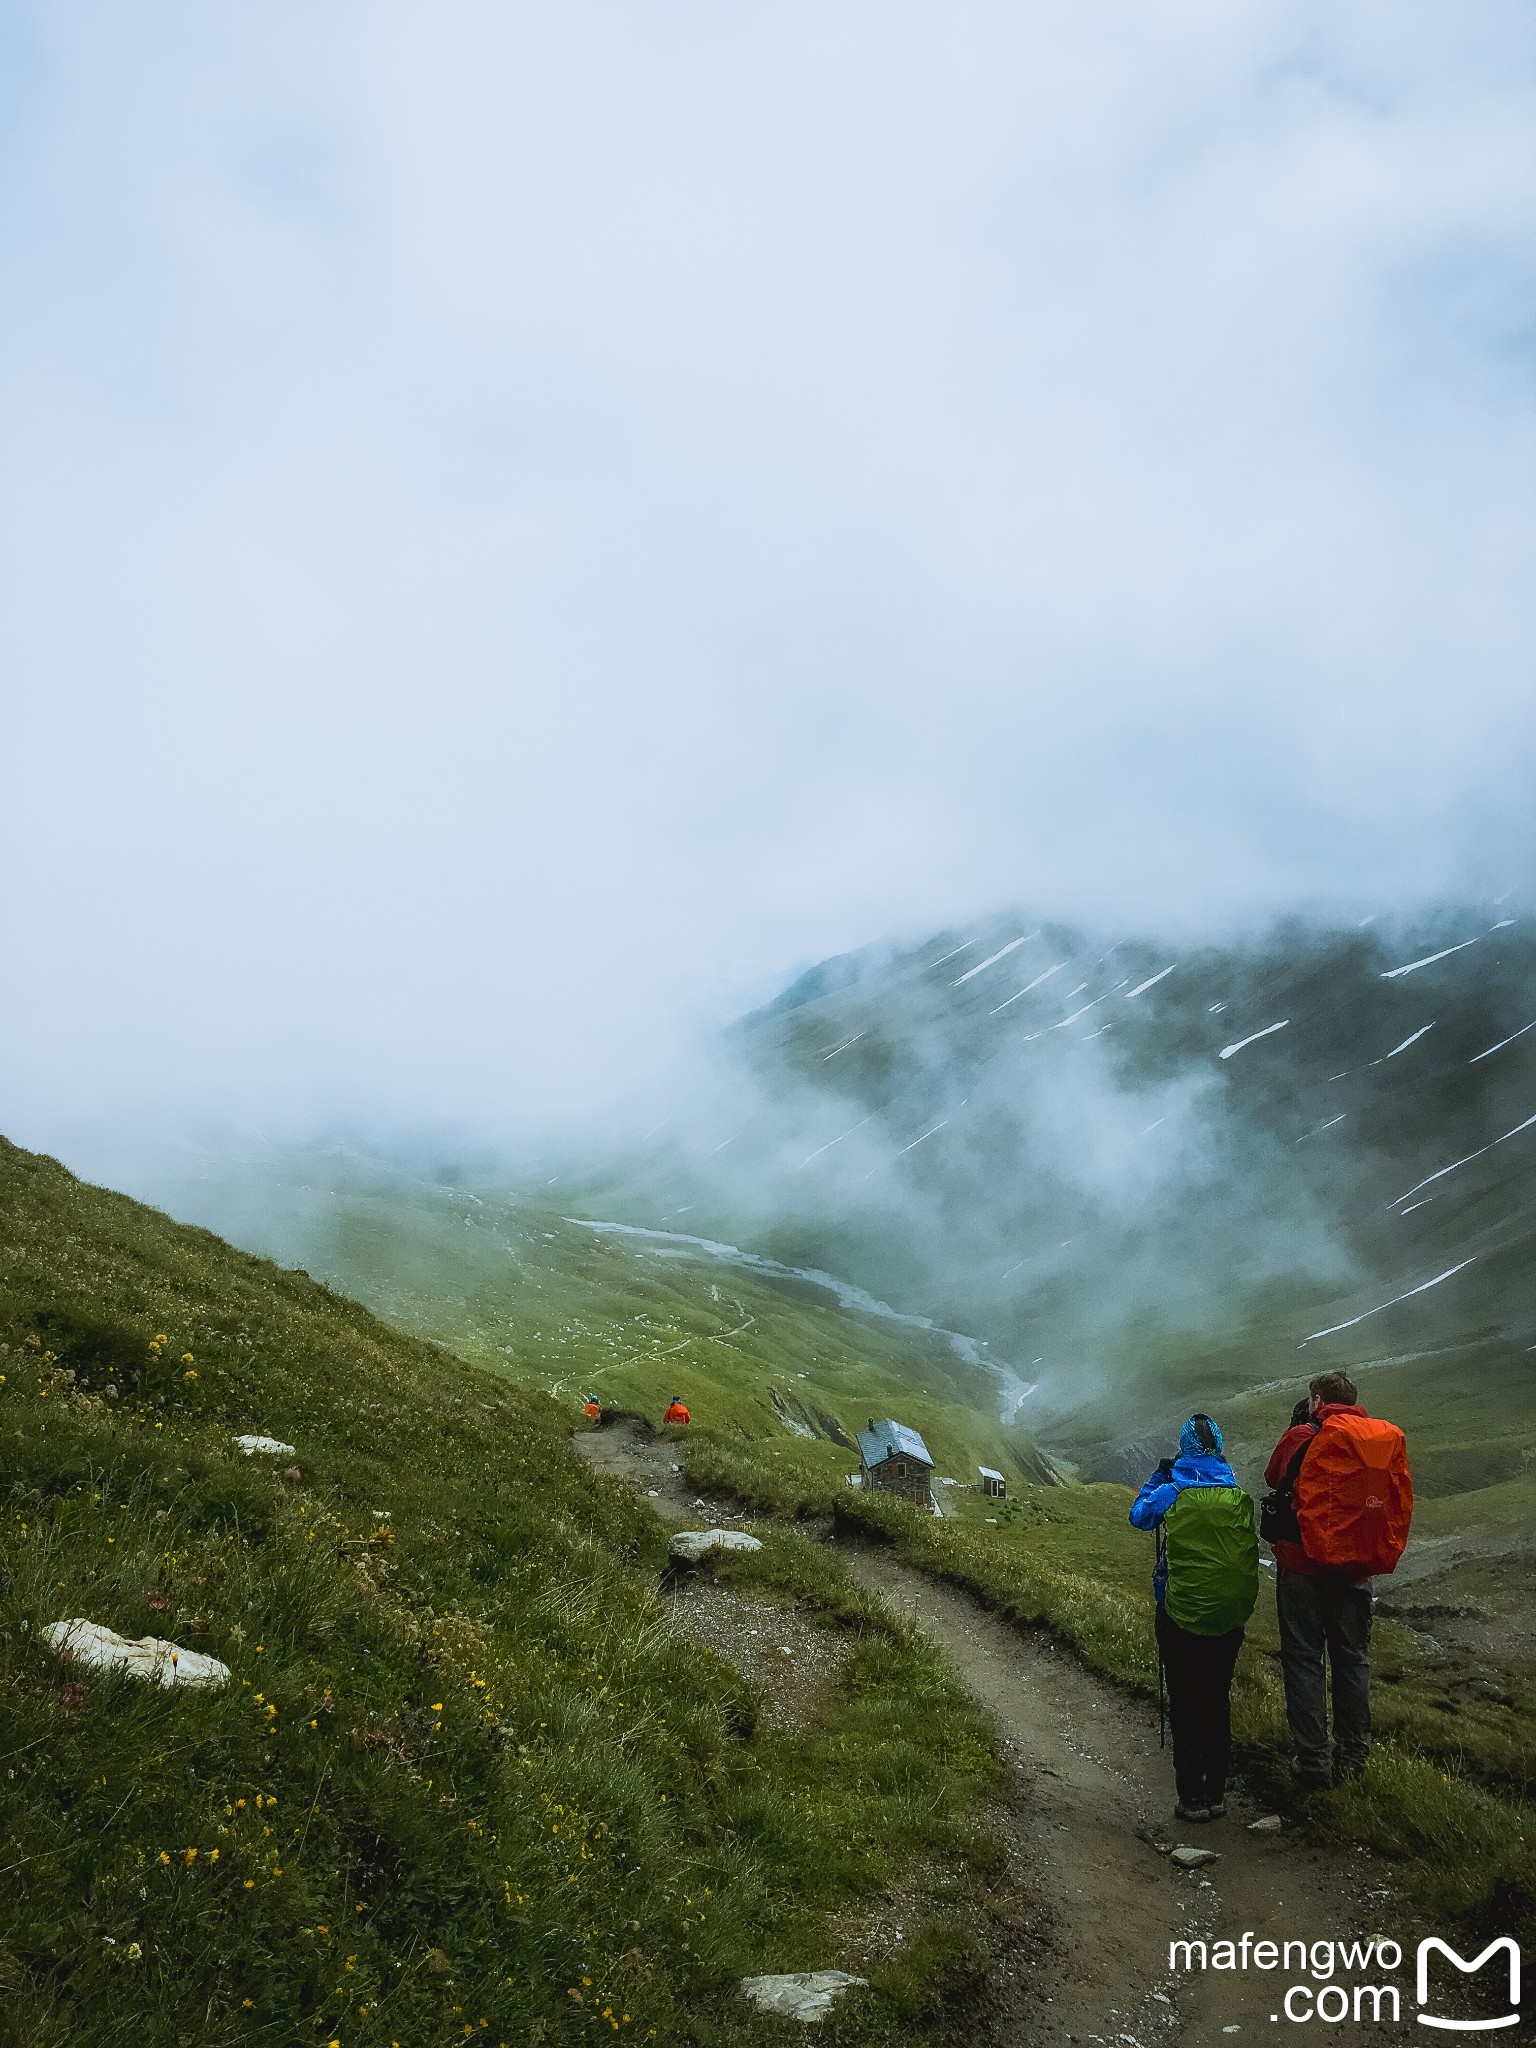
[[1213, 1560]]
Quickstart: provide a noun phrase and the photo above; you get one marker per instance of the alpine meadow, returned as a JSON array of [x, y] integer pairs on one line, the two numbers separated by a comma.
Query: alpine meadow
[[768, 1051]]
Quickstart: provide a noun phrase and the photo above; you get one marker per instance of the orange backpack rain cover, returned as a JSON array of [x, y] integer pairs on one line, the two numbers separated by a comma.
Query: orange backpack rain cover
[[1354, 1498]]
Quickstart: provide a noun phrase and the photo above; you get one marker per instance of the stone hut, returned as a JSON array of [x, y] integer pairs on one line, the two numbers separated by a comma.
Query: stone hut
[[894, 1459], [993, 1484]]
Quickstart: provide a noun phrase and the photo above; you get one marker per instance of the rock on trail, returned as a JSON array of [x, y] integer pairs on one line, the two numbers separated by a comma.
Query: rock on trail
[[799, 1994], [691, 1546], [1192, 1859]]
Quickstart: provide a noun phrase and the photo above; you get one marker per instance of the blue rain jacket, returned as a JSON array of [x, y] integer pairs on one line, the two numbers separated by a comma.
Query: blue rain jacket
[[1159, 1495]]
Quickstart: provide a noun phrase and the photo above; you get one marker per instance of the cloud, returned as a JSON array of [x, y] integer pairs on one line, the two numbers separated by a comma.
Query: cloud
[[521, 525]]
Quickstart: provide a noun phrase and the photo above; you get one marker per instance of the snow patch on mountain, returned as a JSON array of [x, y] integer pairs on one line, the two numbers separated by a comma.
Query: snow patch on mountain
[[1228, 1050]]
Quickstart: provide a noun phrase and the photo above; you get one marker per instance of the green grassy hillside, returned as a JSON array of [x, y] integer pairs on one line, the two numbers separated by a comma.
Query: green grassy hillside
[[764, 1358], [466, 1781]]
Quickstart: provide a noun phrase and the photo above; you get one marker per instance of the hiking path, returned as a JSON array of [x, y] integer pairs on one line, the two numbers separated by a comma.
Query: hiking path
[[1088, 1818]]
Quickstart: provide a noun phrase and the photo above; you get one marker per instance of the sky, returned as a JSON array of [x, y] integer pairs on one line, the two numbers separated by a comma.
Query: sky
[[525, 526]]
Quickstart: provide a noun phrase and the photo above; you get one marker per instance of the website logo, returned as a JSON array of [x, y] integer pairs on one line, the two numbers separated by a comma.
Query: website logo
[[1433, 1944]]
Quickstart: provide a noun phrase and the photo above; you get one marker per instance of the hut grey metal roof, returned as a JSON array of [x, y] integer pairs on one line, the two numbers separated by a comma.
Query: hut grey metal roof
[[987, 1472], [891, 1440]]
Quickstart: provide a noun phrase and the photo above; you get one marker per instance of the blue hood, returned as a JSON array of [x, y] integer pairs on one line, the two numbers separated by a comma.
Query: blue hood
[[1191, 1445]]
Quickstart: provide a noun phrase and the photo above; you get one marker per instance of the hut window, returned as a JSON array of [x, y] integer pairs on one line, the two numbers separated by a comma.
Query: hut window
[[900, 1471]]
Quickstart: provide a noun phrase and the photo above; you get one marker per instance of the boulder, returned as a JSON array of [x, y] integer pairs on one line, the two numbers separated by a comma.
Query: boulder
[[1191, 1859], [102, 1649], [690, 1546], [1269, 1825], [799, 1994], [268, 1445]]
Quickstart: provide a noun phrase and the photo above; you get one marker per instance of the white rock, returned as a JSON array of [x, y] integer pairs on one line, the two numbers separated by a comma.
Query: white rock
[[102, 1649], [268, 1445], [1269, 1825], [799, 1994], [690, 1545], [1192, 1859]]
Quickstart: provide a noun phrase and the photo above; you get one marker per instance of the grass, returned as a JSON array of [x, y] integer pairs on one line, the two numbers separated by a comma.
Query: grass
[[465, 1782], [786, 1478]]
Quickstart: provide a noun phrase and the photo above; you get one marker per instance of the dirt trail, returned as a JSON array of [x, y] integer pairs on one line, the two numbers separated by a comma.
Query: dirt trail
[[625, 1450], [1090, 1786], [1094, 1785]]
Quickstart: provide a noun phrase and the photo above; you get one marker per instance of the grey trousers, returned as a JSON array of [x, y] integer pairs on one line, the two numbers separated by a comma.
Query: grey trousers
[[1325, 1618]]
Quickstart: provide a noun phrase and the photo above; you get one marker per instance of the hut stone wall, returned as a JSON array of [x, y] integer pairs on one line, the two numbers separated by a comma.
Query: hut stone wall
[[904, 1475]]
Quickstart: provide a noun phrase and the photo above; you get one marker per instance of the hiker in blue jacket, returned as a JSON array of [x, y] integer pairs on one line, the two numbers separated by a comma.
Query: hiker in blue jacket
[[1205, 1581]]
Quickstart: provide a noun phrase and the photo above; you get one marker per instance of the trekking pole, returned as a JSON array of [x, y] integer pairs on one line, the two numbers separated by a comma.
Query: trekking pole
[[1162, 1690]]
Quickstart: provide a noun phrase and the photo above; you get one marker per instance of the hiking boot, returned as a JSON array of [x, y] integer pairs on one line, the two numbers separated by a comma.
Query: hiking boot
[[1183, 1812], [1217, 1810], [1311, 1777]]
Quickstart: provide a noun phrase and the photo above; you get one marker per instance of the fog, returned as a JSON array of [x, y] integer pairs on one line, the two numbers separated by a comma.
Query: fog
[[524, 527], [1163, 1167]]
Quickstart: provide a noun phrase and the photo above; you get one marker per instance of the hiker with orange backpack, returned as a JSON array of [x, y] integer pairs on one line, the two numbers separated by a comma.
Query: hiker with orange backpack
[[1337, 1516], [1205, 1582]]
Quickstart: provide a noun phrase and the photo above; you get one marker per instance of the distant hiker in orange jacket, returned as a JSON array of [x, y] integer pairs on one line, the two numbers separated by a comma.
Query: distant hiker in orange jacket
[[1338, 1514], [592, 1409], [676, 1412]]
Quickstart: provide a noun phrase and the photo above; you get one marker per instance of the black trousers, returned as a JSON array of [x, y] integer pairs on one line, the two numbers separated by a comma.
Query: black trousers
[[1326, 1618], [1199, 1670]]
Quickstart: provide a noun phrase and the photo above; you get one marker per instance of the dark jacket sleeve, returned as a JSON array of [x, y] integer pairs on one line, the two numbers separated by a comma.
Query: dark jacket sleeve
[[1280, 1457]]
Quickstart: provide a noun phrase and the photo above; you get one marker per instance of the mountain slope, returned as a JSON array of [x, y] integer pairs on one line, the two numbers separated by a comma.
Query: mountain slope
[[1148, 1174], [466, 1780]]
